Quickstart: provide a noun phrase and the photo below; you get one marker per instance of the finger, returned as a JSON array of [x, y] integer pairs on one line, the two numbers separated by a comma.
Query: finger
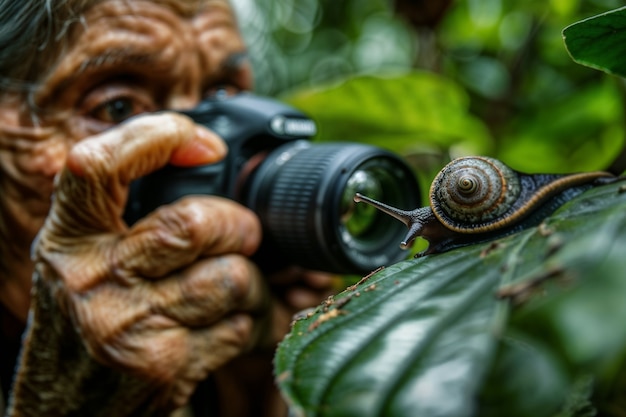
[[206, 148], [301, 298], [210, 289], [91, 192], [294, 274], [144, 144], [179, 233], [162, 350], [210, 349], [300, 289], [322, 280], [175, 357], [197, 296], [213, 346]]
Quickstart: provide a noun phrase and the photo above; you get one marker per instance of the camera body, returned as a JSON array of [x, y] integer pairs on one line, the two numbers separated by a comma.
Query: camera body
[[301, 191], [250, 125]]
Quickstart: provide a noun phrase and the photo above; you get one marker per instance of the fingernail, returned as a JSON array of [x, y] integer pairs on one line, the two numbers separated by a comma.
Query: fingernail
[[205, 148], [211, 141]]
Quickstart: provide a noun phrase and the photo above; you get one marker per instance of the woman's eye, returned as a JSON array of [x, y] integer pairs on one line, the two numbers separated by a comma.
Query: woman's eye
[[116, 110], [113, 102]]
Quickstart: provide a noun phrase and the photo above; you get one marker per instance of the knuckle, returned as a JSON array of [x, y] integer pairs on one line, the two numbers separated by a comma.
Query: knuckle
[[211, 224], [158, 361], [177, 226], [188, 217], [242, 326], [219, 284], [93, 155], [166, 124], [152, 346], [237, 275]]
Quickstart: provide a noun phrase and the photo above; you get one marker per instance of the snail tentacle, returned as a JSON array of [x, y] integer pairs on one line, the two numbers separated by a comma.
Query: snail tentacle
[[421, 222], [403, 215]]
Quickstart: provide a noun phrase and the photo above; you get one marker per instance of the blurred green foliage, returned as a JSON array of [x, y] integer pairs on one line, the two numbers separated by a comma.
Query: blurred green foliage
[[433, 80], [541, 111], [296, 43]]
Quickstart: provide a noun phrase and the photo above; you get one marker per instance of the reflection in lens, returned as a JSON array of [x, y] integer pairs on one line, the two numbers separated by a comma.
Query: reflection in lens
[[363, 228], [358, 219]]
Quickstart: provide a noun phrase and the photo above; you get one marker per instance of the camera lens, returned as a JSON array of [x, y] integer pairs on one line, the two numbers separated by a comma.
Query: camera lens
[[362, 224], [303, 194]]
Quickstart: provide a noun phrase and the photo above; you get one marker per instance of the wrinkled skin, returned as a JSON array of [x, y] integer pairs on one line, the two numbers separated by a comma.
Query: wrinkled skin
[[160, 305]]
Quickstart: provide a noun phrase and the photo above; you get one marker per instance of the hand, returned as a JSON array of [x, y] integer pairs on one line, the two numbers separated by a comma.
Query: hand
[[170, 299], [251, 376]]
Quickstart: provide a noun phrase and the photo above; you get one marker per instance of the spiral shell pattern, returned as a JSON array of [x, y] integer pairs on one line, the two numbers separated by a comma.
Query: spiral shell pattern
[[473, 191]]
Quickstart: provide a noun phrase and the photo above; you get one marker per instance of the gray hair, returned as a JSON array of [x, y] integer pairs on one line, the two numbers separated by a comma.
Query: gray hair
[[31, 35]]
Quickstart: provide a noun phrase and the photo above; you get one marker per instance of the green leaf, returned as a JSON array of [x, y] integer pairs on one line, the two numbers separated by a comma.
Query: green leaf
[[599, 41], [413, 339], [421, 336], [404, 112]]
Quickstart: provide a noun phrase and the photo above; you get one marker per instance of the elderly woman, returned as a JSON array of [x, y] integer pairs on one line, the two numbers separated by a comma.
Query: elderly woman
[[125, 321]]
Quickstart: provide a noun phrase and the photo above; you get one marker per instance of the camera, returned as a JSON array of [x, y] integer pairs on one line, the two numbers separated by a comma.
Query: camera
[[301, 191]]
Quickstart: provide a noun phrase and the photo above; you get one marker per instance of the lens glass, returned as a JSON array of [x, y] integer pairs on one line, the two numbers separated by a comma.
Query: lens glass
[[363, 225], [359, 219]]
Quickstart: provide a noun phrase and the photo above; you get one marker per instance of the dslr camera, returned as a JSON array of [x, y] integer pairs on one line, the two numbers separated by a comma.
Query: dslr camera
[[301, 191]]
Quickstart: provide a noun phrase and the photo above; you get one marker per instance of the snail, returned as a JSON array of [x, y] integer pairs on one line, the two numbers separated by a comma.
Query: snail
[[478, 198]]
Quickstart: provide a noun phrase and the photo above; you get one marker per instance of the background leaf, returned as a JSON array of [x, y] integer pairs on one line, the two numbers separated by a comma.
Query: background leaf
[[599, 41], [421, 336], [399, 112]]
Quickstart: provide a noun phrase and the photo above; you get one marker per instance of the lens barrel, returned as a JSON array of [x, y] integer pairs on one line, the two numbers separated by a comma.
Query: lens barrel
[[302, 192]]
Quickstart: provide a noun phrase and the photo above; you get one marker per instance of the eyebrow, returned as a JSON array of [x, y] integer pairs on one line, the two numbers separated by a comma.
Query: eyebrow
[[134, 59], [122, 57], [115, 57], [138, 57]]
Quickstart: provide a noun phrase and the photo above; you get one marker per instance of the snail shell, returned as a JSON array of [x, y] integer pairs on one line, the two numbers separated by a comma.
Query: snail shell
[[472, 194], [483, 196]]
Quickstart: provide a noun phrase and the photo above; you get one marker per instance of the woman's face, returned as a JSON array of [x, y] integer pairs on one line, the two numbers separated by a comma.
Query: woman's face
[[124, 58]]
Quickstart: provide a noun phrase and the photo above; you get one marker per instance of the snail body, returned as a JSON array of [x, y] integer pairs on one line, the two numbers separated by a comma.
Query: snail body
[[480, 197]]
